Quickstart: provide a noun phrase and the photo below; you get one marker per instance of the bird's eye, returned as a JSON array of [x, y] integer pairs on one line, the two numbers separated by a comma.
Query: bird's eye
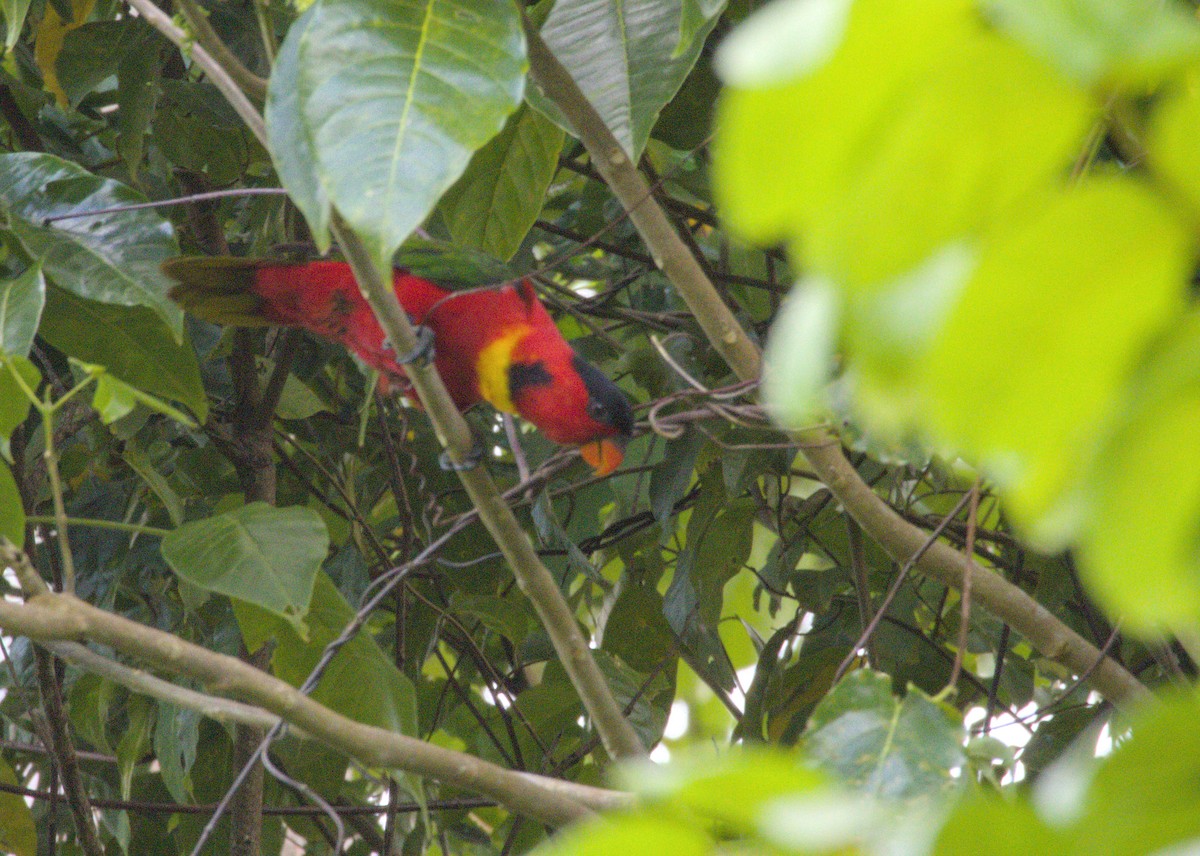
[[597, 410]]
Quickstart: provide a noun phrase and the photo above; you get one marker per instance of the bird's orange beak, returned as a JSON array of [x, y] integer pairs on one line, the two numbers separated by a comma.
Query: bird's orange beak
[[603, 456]]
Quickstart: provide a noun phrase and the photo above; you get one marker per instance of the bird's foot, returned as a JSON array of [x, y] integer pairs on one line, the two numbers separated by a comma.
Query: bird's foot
[[470, 462], [424, 352]]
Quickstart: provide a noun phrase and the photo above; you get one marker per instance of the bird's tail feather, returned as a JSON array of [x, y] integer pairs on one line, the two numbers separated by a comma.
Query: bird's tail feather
[[218, 289]]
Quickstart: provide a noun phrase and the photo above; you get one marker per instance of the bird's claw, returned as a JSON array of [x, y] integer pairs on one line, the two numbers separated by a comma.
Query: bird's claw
[[424, 352], [470, 462]]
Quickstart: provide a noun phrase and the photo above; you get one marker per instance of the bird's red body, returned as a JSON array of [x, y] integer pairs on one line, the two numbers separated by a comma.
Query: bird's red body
[[496, 344]]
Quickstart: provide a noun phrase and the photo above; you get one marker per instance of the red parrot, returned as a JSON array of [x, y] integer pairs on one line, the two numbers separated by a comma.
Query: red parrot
[[498, 345]]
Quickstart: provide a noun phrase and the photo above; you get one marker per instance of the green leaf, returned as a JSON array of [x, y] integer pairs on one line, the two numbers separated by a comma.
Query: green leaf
[[508, 618], [137, 91], [1130, 812], [1065, 297], [176, 736], [800, 352], [141, 464], [695, 20], [1148, 574], [697, 784], [1008, 826], [109, 258], [288, 138], [12, 511], [361, 682], [888, 747], [296, 401], [495, 203], [21, 303], [639, 834], [18, 835], [628, 58], [920, 111], [1129, 43], [92, 53], [1174, 128], [14, 402], [263, 555], [131, 342], [396, 97], [114, 399], [719, 537], [14, 19]]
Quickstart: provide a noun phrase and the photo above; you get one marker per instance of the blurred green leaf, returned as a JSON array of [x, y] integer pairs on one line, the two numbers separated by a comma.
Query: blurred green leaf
[[920, 111], [92, 53], [12, 510], [887, 747], [132, 343], [114, 399], [109, 258], [263, 555], [1089, 277], [799, 357], [18, 835], [176, 737], [395, 110], [21, 303], [1128, 43], [1147, 472], [629, 59], [511, 619], [14, 19], [297, 401], [495, 202], [14, 402], [638, 834], [1174, 127]]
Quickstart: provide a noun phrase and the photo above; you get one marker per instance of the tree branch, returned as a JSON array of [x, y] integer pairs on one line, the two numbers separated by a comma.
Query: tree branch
[[56, 617], [535, 580], [821, 447]]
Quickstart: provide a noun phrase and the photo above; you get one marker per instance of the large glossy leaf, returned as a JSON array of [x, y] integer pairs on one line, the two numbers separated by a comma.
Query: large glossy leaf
[[629, 58], [361, 682], [131, 342], [21, 304], [109, 258], [872, 157], [494, 204], [289, 138], [396, 96], [886, 746], [1065, 299], [263, 555]]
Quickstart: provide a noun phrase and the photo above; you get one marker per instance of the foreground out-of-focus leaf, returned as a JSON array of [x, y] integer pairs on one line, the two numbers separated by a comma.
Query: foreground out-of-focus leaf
[[1065, 297]]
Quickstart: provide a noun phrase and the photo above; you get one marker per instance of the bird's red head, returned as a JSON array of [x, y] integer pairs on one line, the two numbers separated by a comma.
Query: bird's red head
[[530, 370]]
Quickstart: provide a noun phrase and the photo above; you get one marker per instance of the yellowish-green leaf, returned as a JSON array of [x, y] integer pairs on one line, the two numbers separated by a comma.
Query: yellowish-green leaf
[[1150, 471], [1033, 358], [18, 835], [902, 141]]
